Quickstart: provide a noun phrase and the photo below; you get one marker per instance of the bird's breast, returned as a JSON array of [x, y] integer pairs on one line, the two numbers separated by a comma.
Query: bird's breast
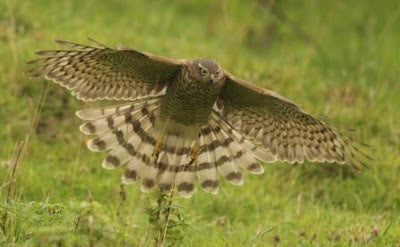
[[188, 105]]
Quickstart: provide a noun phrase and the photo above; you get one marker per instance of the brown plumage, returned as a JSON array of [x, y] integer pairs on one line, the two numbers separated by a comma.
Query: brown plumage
[[188, 119]]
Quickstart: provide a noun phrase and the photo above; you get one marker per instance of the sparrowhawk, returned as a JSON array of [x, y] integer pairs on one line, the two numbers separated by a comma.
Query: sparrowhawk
[[186, 120]]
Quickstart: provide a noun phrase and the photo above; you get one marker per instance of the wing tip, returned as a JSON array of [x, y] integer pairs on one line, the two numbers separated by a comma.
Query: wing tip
[[101, 45], [62, 42]]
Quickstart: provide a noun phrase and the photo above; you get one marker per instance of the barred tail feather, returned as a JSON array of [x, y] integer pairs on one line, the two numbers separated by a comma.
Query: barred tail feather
[[257, 151], [125, 130], [114, 137], [185, 172], [226, 166], [123, 148], [139, 164], [166, 177], [205, 166], [102, 125], [129, 132], [158, 172], [172, 169], [149, 179], [244, 157]]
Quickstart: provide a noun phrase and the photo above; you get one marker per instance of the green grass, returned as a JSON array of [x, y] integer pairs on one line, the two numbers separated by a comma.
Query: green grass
[[339, 59]]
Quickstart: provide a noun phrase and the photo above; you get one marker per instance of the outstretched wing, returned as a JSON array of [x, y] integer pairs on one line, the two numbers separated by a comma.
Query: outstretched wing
[[280, 126], [94, 73]]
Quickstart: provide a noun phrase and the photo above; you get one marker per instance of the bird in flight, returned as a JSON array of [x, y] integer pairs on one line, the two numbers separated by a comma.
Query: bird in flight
[[186, 120]]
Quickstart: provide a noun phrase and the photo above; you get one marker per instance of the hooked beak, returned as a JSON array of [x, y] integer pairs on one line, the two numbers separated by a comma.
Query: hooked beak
[[212, 77]]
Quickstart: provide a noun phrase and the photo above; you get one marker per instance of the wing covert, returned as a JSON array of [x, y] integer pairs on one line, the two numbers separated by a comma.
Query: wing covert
[[95, 73], [281, 127]]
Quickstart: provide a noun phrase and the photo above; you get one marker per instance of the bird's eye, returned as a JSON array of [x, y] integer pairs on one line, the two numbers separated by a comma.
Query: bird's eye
[[217, 73], [203, 71]]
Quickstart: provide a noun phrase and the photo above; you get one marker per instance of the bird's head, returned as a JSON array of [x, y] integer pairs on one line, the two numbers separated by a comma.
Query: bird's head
[[206, 70]]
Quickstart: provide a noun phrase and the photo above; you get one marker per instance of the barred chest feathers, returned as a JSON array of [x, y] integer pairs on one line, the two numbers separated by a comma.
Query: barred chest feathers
[[188, 101]]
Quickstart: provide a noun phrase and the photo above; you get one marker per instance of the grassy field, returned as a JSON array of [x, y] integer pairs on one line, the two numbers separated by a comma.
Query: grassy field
[[337, 59]]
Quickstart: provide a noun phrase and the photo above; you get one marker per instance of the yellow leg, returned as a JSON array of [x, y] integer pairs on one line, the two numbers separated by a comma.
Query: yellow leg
[[158, 147], [195, 151], [196, 148]]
